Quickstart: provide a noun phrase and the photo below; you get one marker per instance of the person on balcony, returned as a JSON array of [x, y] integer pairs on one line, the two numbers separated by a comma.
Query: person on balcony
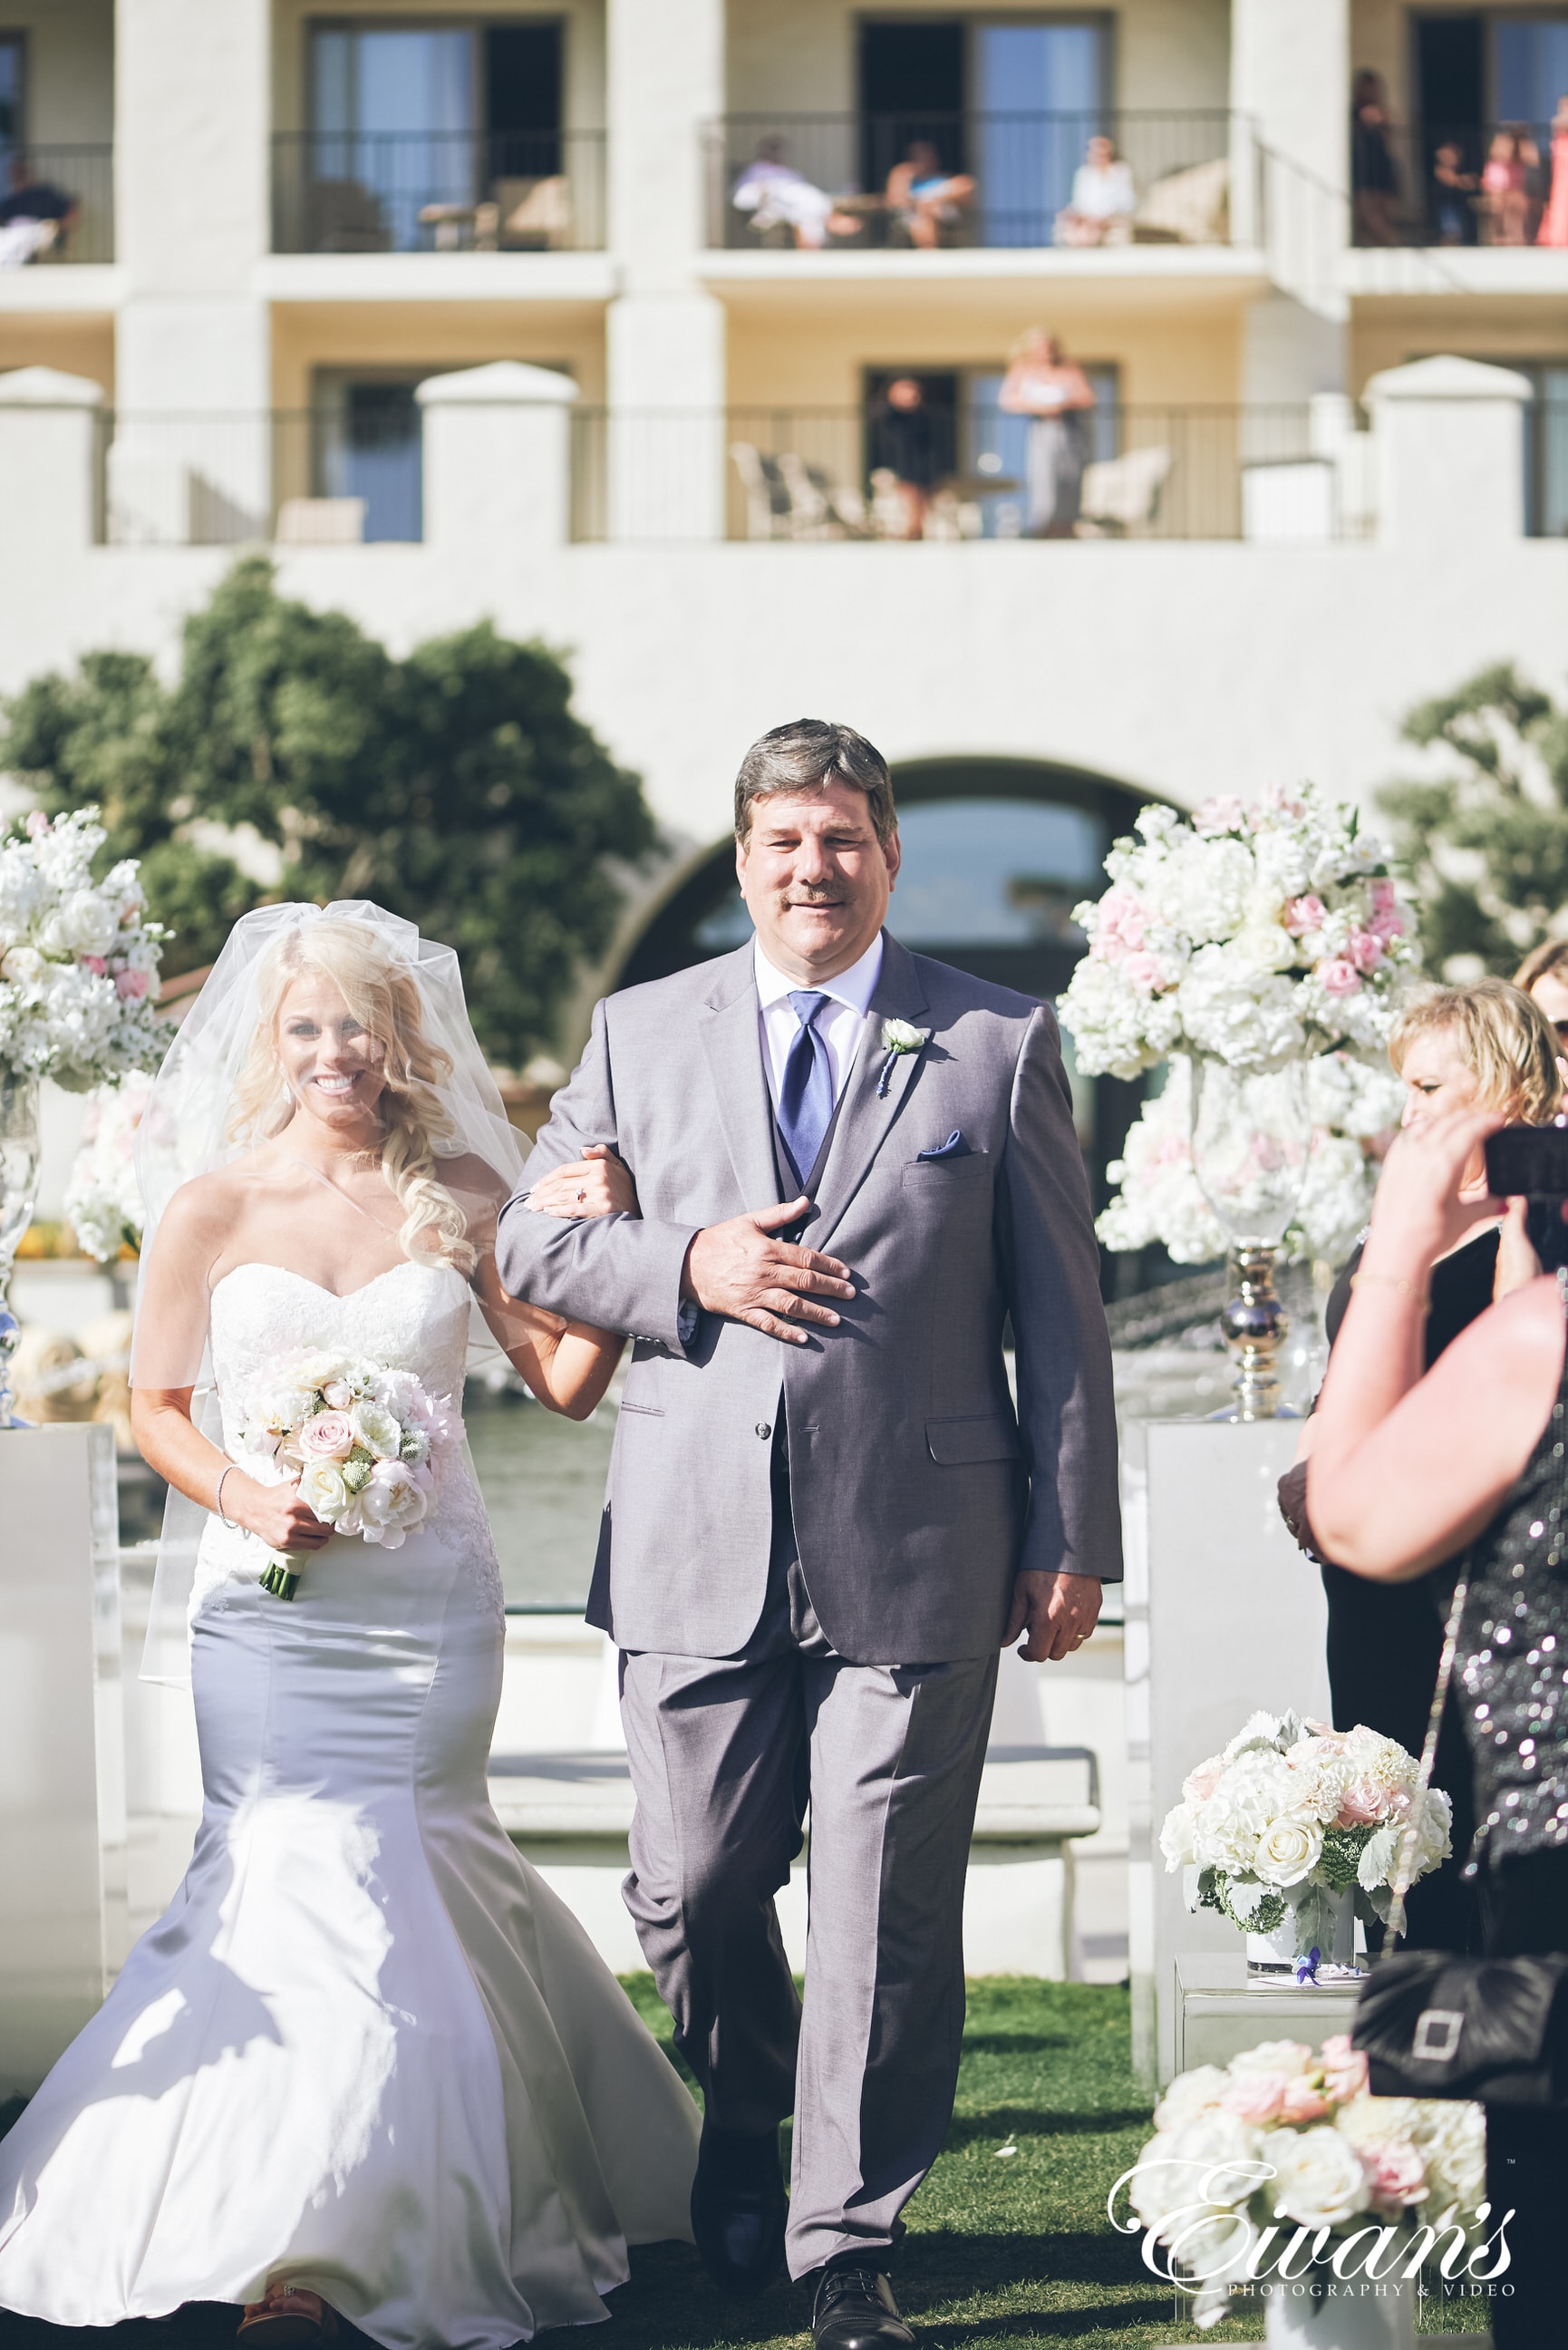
[[1454, 193], [33, 217], [907, 441], [924, 198], [1044, 385], [1374, 174], [1553, 229], [1103, 199], [775, 193], [1513, 156]]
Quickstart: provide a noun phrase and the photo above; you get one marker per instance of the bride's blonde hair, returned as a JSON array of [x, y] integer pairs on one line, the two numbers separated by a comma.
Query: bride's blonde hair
[[383, 996]]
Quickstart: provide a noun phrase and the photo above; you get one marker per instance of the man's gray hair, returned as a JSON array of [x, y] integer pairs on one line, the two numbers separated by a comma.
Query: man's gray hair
[[804, 755]]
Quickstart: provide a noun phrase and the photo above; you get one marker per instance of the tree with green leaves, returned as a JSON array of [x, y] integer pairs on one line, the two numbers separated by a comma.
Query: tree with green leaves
[[1484, 834], [455, 787]]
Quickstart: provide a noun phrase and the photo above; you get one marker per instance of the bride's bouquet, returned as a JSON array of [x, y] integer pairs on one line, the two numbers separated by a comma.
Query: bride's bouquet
[[1292, 1815], [369, 1444]]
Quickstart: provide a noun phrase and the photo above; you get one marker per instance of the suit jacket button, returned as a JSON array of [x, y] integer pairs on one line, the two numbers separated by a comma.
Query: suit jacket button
[[764, 1427]]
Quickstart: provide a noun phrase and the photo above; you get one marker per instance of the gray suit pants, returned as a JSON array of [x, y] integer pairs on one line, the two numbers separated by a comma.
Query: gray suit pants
[[726, 1755]]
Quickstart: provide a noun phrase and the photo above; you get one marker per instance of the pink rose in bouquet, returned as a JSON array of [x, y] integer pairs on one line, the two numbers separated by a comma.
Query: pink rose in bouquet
[[329, 1436]]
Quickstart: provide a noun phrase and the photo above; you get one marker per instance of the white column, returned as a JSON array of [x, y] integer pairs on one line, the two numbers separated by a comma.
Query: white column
[[1290, 75], [665, 335], [192, 357], [50, 426], [1450, 449], [497, 459], [62, 1789]]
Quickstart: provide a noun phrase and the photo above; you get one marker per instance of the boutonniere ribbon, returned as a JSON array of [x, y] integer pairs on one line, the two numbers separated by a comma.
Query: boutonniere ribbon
[[898, 1038]]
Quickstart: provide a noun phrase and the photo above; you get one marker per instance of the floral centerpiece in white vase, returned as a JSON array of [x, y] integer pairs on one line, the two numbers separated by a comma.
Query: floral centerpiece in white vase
[[1282, 2153], [1243, 944], [1294, 1831], [78, 981], [103, 1199]]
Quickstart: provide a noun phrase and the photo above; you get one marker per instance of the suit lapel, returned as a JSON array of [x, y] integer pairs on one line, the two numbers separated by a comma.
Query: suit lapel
[[866, 1115], [731, 1038]]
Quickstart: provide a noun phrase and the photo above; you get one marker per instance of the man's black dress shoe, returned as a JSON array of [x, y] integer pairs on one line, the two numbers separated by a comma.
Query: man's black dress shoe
[[854, 2309], [739, 2208]]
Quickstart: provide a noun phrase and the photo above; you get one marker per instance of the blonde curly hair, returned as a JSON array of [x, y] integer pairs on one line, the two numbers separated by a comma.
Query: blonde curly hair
[[382, 994]]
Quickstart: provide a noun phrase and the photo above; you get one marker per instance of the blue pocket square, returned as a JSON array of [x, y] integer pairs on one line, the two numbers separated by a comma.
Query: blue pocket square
[[955, 1147]]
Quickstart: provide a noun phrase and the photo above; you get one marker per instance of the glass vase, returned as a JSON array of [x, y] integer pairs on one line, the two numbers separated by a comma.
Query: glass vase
[[18, 1194], [1321, 2312], [1252, 1136]]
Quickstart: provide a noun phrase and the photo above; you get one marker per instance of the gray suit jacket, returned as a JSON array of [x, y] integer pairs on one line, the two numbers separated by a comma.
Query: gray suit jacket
[[957, 1198]]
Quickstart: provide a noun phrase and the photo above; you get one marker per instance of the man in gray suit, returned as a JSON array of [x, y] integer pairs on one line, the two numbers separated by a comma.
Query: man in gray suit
[[824, 1514]]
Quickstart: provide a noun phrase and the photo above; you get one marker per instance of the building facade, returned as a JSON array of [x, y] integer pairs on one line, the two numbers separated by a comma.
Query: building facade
[[676, 332]]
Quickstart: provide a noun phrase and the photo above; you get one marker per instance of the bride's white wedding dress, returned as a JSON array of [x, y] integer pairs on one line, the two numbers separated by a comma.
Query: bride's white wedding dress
[[366, 2050]]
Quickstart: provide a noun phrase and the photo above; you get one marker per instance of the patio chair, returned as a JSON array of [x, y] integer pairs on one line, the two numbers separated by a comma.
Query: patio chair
[[320, 522], [1121, 493], [767, 500], [344, 216], [820, 507], [526, 216], [1187, 207]]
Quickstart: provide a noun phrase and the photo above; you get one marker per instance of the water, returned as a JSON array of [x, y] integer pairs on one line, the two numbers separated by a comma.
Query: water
[[543, 1478]]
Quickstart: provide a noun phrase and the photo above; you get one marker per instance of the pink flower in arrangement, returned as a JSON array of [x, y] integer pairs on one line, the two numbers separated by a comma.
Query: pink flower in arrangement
[[1256, 2098], [1200, 1784], [130, 986], [1303, 914], [1344, 2068], [94, 963], [1397, 2173], [329, 1436], [37, 825], [1143, 971], [1365, 950], [1303, 2101], [1339, 976], [1360, 1806], [1224, 812], [1123, 921]]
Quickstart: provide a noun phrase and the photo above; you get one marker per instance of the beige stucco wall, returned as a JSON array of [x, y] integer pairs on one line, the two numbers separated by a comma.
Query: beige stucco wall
[[78, 346], [1388, 334], [799, 55], [306, 336], [69, 67]]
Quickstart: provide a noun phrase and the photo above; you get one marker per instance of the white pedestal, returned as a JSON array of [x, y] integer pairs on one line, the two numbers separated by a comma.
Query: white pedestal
[[1224, 1614], [62, 1792], [1218, 2009]]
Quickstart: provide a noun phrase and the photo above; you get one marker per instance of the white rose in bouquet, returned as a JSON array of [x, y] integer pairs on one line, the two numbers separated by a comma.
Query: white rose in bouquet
[[322, 1490], [1320, 2180], [1288, 1851], [377, 1430]]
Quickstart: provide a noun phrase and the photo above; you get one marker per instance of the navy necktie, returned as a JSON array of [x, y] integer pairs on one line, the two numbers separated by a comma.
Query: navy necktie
[[806, 1096]]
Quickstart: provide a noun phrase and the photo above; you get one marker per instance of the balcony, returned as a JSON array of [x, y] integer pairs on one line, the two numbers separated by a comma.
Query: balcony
[[852, 182], [439, 192], [56, 207], [1461, 186]]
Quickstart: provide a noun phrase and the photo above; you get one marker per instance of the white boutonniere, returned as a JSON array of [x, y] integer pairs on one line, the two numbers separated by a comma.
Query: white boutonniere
[[898, 1037]]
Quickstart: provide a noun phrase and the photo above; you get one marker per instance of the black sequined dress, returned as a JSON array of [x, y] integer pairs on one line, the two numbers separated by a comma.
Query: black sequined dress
[[1512, 1656]]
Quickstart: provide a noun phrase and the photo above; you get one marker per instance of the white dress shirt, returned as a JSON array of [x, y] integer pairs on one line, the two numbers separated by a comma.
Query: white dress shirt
[[838, 1024]]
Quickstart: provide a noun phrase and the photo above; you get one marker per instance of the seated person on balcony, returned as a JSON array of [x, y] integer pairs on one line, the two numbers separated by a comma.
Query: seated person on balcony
[[1453, 198], [906, 440], [773, 192], [1374, 175], [1103, 201], [923, 198], [33, 214]]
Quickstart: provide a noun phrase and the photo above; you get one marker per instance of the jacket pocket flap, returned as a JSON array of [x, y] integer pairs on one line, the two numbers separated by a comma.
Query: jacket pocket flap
[[954, 1442], [957, 1167]]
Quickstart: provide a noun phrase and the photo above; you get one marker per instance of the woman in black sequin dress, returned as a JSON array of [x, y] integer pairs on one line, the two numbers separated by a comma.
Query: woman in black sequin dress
[[1411, 1466]]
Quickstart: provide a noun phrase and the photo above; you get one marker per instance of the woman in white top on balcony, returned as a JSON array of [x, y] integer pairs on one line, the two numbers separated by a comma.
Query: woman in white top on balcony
[[1103, 199], [1043, 384]]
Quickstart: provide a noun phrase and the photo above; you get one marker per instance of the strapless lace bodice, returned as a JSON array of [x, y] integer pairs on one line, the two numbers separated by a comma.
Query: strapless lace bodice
[[412, 1317]]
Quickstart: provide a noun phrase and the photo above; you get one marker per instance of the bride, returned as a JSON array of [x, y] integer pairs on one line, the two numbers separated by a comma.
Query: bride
[[366, 2062]]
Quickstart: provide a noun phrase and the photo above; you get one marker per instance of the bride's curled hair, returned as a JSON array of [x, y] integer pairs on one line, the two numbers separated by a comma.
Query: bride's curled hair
[[382, 994]]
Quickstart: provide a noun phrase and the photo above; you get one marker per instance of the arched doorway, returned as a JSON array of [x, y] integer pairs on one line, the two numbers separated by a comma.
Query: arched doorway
[[997, 852]]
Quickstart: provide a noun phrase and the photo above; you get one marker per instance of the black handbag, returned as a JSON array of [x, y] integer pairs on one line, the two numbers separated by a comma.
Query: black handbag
[[1435, 2025]]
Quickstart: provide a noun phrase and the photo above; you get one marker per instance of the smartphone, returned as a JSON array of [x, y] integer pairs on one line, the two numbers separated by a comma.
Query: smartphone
[[1532, 1162]]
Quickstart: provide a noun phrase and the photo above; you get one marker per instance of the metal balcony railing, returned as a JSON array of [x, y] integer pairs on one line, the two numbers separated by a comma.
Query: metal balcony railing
[[814, 474], [302, 476], [57, 206], [1458, 184], [436, 191], [849, 181]]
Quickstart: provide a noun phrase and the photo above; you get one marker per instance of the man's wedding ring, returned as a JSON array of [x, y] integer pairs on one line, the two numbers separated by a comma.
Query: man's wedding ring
[[582, 1194]]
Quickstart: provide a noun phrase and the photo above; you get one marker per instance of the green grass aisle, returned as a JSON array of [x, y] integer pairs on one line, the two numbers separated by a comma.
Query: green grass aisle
[[1012, 2248]]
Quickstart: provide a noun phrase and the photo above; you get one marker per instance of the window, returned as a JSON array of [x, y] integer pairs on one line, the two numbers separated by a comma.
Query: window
[[414, 125], [365, 437], [12, 125]]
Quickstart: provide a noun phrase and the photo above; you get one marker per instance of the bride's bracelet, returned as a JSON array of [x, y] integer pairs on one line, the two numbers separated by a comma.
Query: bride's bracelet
[[218, 1502], [1419, 1291]]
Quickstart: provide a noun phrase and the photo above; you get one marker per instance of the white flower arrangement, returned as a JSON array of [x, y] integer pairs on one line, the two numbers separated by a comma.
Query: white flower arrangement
[[1159, 1197], [1284, 2134], [367, 1440], [78, 958], [1254, 937], [103, 1199], [1291, 1813]]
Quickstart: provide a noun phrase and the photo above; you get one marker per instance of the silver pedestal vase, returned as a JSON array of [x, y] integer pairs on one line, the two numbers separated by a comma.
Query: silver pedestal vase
[[1251, 1135], [18, 1194]]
